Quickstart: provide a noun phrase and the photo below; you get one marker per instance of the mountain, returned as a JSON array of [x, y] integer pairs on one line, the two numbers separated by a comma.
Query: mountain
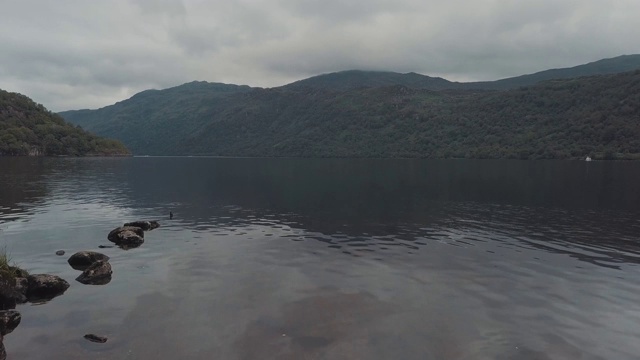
[[353, 79], [153, 121], [560, 119], [385, 114], [27, 128]]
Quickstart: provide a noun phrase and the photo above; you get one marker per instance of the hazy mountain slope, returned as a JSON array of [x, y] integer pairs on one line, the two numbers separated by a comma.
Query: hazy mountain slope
[[27, 128], [614, 65]]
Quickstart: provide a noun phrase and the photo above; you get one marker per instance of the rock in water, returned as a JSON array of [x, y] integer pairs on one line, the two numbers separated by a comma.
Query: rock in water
[[144, 225], [130, 236], [9, 320], [10, 295], [83, 259], [96, 338], [60, 252], [45, 287], [99, 273]]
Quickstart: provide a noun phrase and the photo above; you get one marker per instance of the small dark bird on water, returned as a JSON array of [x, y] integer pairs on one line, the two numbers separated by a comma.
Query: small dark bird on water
[[170, 215]]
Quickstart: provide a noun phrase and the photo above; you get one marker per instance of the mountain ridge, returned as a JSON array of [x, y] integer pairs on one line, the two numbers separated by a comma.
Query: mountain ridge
[[201, 117]]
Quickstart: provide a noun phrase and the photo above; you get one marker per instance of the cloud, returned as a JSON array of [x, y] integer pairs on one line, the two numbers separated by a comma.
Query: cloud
[[77, 54], [171, 8]]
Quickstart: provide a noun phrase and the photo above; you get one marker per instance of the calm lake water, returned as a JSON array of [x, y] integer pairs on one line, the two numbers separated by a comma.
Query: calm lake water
[[331, 258]]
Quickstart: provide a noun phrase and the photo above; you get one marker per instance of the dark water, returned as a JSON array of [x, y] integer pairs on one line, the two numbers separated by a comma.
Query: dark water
[[331, 259]]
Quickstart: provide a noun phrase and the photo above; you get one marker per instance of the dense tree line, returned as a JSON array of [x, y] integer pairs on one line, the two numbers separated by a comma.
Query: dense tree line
[[28, 128]]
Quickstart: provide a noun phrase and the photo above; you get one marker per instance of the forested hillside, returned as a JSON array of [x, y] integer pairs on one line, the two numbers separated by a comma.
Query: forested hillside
[[153, 121], [27, 128], [384, 114], [597, 116]]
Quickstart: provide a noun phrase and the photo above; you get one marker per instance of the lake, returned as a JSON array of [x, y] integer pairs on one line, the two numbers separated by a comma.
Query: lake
[[330, 258]]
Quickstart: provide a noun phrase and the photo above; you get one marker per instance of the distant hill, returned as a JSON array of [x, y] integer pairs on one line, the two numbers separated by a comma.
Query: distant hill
[[27, 128], [153, 121], [385, 114]]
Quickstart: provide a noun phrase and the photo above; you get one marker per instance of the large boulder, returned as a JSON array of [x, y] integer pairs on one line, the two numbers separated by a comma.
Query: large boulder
[[83, 259], [144, 225], [45, 287], [128, 236], [9, 320], [99, 273]]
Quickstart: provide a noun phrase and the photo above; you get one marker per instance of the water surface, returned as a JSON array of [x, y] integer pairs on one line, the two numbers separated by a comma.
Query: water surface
[[331, 258]]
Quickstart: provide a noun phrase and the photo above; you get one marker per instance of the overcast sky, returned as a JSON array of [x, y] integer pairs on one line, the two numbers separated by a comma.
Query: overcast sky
[[71, 54]]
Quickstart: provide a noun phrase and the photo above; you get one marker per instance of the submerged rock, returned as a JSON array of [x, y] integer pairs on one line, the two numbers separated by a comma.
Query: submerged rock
[[99, 273], [144, 225], [128, 246], [83, 259], [105, 246], [131, 236], [96, 338], [60, 252], [9, 320], [45, 287]]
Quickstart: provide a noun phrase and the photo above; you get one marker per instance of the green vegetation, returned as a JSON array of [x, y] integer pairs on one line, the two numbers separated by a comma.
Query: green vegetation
[[8, 271], [27, 128], [377, 114]]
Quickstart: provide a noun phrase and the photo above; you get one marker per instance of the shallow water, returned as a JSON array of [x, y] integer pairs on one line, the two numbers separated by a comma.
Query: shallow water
[[331, 258]]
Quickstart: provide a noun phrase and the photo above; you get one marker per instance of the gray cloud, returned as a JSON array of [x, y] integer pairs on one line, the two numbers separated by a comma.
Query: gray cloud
[[77, 54], [171, 8], [334, 12]]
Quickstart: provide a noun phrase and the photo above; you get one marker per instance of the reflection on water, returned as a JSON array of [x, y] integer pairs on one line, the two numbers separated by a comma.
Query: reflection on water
[[328, 324], [331, 259]]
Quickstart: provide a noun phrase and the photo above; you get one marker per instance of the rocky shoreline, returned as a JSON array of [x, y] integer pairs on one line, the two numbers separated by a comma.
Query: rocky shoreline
[[18, 287]]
